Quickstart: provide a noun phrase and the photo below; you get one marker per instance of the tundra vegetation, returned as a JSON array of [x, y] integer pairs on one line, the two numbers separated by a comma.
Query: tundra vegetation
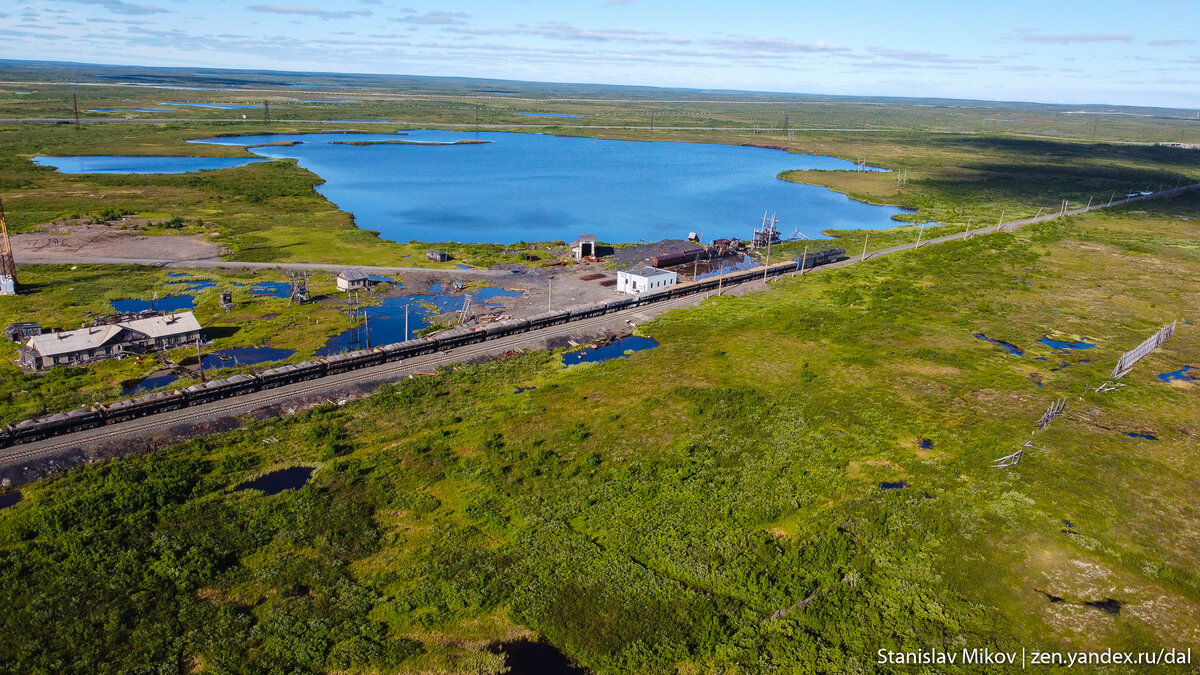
[[711, 505]]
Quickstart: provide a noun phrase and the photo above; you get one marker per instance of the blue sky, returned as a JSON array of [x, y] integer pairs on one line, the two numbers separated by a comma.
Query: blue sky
[[1140, 53]]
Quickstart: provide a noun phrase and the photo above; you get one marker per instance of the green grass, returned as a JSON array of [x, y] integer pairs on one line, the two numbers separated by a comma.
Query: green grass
[[649, 514]]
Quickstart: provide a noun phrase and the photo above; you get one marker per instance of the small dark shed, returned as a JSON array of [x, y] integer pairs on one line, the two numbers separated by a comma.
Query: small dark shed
[[437, 256], [22, 330]]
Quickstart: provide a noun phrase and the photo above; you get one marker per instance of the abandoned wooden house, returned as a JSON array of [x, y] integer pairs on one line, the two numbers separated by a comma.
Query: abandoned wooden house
[[85, 345]]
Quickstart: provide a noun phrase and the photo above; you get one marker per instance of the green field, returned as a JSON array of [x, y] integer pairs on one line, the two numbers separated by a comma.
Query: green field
[[658, 527], [713, 505]]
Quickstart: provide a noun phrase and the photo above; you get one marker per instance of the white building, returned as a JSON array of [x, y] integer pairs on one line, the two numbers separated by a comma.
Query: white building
[[644, 280], [353, 280]]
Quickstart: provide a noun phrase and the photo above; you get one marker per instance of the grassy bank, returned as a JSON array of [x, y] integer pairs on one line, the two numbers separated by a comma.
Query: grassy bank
[[710, 505]]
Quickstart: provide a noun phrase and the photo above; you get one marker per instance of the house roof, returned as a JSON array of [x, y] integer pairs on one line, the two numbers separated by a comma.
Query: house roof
[[21, 325], [165, 325], [649, 272], [585, 238], [353, 275], [70, 342]]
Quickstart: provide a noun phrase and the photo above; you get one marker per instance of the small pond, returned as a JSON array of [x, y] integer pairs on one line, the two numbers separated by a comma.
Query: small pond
[[1181, 374], [154, 381], [384, 323], [140, 165], [243, 356], [896, 485], [278, 289], [614, 350], [1012, 349], [1149, 437], [528, 657], [10, 498], [169, 303], [1063, 346], [278, 481]]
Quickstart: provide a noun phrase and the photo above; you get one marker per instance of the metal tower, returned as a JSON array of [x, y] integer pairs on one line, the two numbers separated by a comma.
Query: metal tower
[[8, 267]]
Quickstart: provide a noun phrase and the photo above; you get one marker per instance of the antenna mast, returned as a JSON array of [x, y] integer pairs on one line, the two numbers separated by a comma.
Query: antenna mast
[[8, 267]]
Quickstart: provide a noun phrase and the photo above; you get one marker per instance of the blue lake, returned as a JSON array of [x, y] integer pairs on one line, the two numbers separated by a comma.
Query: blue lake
[[534, 187], [139, 165]]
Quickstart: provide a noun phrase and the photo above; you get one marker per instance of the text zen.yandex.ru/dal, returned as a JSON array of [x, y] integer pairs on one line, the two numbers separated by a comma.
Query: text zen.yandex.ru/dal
[[1030, 657]]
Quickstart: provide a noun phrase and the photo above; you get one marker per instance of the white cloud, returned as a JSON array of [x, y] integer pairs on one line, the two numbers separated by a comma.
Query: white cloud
[[307, 10]]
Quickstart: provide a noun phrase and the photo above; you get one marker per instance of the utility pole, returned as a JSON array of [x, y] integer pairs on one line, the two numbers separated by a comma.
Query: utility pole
[[767, 266], [549, 293], [864, 255], [406, 323], [199, 360], [968, 234], [75, 102], [920, 231], [266, 112], [804, 260], [1089, 206]]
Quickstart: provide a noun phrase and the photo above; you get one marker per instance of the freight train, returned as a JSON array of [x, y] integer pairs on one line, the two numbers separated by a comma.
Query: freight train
[[119, 411]]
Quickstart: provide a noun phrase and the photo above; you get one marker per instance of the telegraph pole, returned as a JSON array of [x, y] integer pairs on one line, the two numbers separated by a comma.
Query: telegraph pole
[[406, 322], [804, 260], [75, 102], [864, 255], [549, 293]]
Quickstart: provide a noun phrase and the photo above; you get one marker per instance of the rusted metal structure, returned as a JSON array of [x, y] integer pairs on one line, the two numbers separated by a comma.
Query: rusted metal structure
[[8, 266]]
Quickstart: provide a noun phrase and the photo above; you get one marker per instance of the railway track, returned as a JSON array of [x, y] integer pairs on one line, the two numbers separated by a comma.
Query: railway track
[[385, 372]]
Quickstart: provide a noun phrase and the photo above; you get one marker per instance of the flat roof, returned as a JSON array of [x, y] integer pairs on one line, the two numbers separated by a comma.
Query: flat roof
[[651, 272], [165, 325]]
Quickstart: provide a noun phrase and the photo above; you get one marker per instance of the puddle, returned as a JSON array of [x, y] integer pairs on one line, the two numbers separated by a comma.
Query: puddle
[[1059, 367], [1037, 379], [384, 322], [925, 444], [1039, 358], [170, 303], [278, 481], [154, 381], [277, 289], [898, 485], [526, 657], [1051, 597], [1149, 437], [1012, 349], [613, 350], [1109, 606], [193, 285], [522, 390], [10, 498], [1063, 346], [178, 275], [243, 356], [462, 267], [716, 268], [1180, 374]]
